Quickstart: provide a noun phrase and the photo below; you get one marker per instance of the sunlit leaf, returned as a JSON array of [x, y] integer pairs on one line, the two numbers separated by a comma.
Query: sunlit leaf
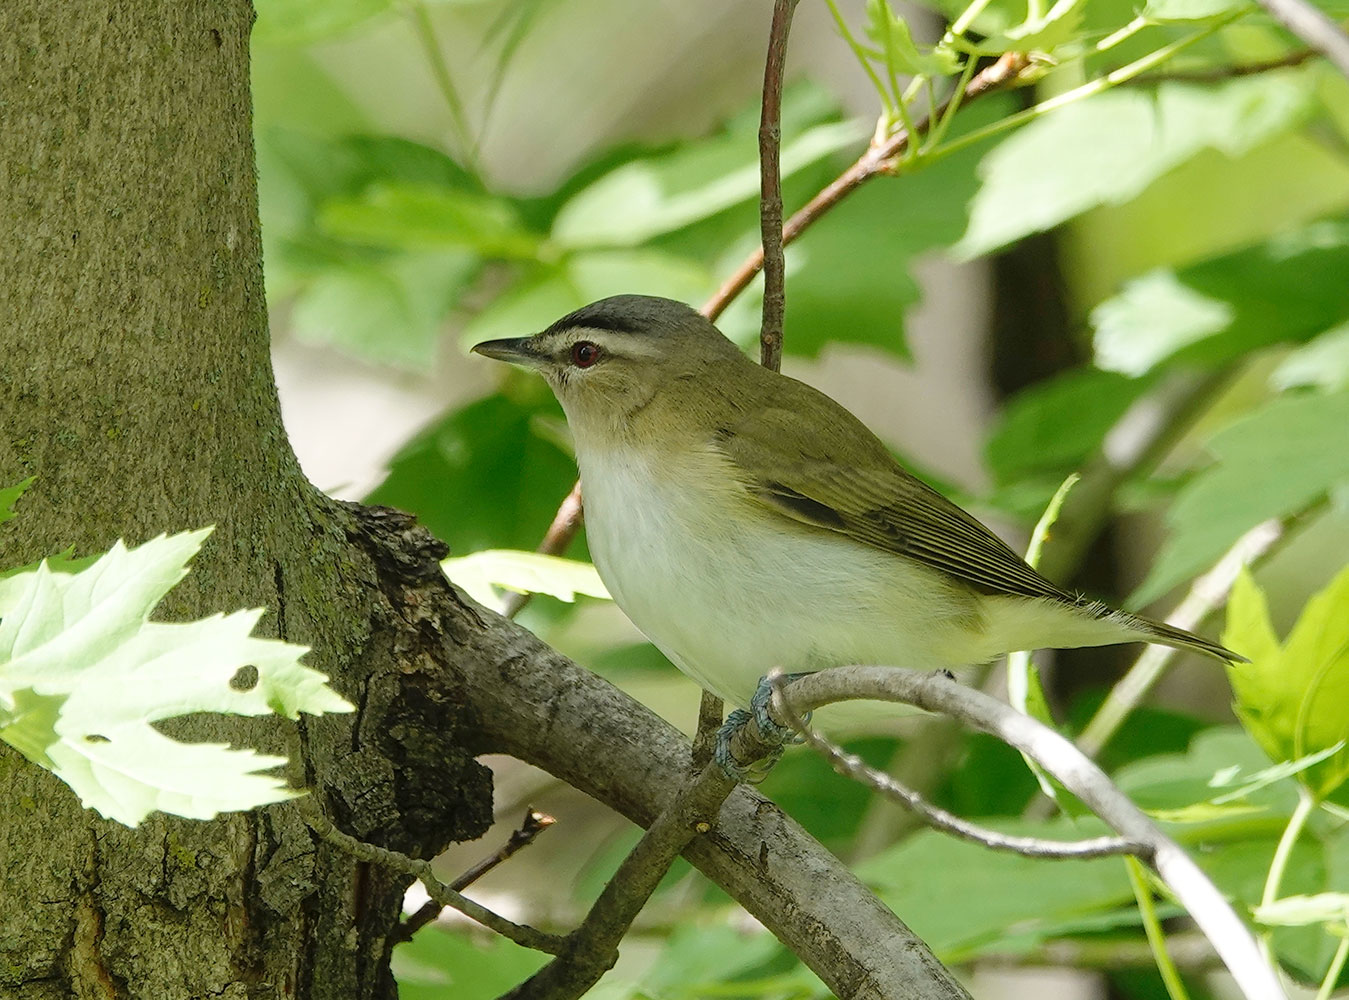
[[523, 572], [1322, 362], [83, 674], [1106, 149], [1294, 699], [1289, 288], [1192, 10], [1270, 463], [659, 194], [1299, 911]]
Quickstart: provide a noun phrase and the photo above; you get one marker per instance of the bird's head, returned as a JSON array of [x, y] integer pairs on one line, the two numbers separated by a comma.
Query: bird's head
[[611, 359]]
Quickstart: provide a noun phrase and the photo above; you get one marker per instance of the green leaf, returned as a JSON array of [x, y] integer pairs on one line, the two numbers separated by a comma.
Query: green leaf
[[548, 294], [1323, 363], [83, 674], [485, 476], [1062, 23], [1294, 699], [1192, 10], [295, 22], [961, 898], [891, 33], [1287, 289], [404, 216], [438, 964], [1055, 425], [524, 573], [665, 192], [1106, 149], [388, 310], [9, 496], [1270, 463]]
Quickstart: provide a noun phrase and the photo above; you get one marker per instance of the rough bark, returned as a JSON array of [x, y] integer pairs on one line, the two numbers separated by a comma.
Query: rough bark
[[135, 383]]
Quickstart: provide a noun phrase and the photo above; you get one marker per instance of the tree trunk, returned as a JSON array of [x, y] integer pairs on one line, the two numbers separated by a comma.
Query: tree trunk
[[135, 383]]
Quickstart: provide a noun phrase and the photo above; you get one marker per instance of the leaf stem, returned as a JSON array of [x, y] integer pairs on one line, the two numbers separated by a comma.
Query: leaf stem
[[1123, 34], [860, 54], [1175, 986], [1297, 822], [1333, 973], [426, 35]]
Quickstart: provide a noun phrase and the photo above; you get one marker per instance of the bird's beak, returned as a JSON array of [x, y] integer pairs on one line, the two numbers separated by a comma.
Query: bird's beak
[[516, 350]]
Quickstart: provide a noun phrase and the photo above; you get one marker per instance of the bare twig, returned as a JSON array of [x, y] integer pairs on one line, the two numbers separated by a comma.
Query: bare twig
[[770, 188], [555, 541], [937, 692], [1314, 26], [710, 712], [528, 937], [1206, 594], [852, 766], [1217, 74], [531, 826]]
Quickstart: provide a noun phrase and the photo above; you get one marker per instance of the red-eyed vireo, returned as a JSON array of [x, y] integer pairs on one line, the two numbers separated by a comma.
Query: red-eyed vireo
[[745, 521]]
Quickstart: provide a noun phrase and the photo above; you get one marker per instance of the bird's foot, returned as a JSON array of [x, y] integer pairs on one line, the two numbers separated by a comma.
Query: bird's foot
[[771, 734]]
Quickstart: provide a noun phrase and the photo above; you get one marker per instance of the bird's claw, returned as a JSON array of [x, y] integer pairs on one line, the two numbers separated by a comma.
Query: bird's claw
[[771, 734]]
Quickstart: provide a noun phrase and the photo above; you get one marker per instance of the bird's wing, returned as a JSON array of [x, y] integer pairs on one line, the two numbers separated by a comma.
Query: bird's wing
[[842, 479]]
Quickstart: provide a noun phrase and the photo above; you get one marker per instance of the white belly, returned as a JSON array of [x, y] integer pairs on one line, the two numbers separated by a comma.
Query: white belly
[[728, 596]]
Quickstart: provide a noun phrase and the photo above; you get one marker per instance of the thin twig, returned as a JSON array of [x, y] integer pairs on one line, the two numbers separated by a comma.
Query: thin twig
[[852, 766], [1217, 74], [710, 713], [531, 826], [770, 188], [937, 692], [528, 937], [565, 524], [1207, 593], [1314, 26]]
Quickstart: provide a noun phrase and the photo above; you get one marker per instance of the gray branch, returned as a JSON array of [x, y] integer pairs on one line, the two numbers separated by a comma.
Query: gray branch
[[937, 692]]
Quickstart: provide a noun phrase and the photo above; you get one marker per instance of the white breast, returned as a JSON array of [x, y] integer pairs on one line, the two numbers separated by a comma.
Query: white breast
[[728, 591]]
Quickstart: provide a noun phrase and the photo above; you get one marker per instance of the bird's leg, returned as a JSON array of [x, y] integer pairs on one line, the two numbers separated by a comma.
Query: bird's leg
[[770, 734]]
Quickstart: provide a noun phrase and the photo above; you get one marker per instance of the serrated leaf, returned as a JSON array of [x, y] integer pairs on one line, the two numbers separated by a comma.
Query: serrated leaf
[[1288, 288], [83, 674], [9, 496], [1294, 699], [523, 572], [891, 32], [1106, 149], [666, 192], [1270, 463]]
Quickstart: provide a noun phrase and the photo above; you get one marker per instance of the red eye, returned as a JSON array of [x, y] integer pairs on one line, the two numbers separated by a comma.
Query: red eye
[[584, 353]]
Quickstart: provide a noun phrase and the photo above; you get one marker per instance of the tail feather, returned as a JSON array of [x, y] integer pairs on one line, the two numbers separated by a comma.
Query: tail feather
[[1179, 638]]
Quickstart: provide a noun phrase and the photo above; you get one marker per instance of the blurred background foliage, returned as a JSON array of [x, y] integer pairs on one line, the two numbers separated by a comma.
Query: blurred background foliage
[[1149, 286]]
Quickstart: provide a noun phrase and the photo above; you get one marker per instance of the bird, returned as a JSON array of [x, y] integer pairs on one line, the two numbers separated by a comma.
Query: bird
[[745, 521]]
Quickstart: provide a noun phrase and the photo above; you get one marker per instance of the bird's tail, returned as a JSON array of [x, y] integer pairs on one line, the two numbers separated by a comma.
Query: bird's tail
[[1169, 635]]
